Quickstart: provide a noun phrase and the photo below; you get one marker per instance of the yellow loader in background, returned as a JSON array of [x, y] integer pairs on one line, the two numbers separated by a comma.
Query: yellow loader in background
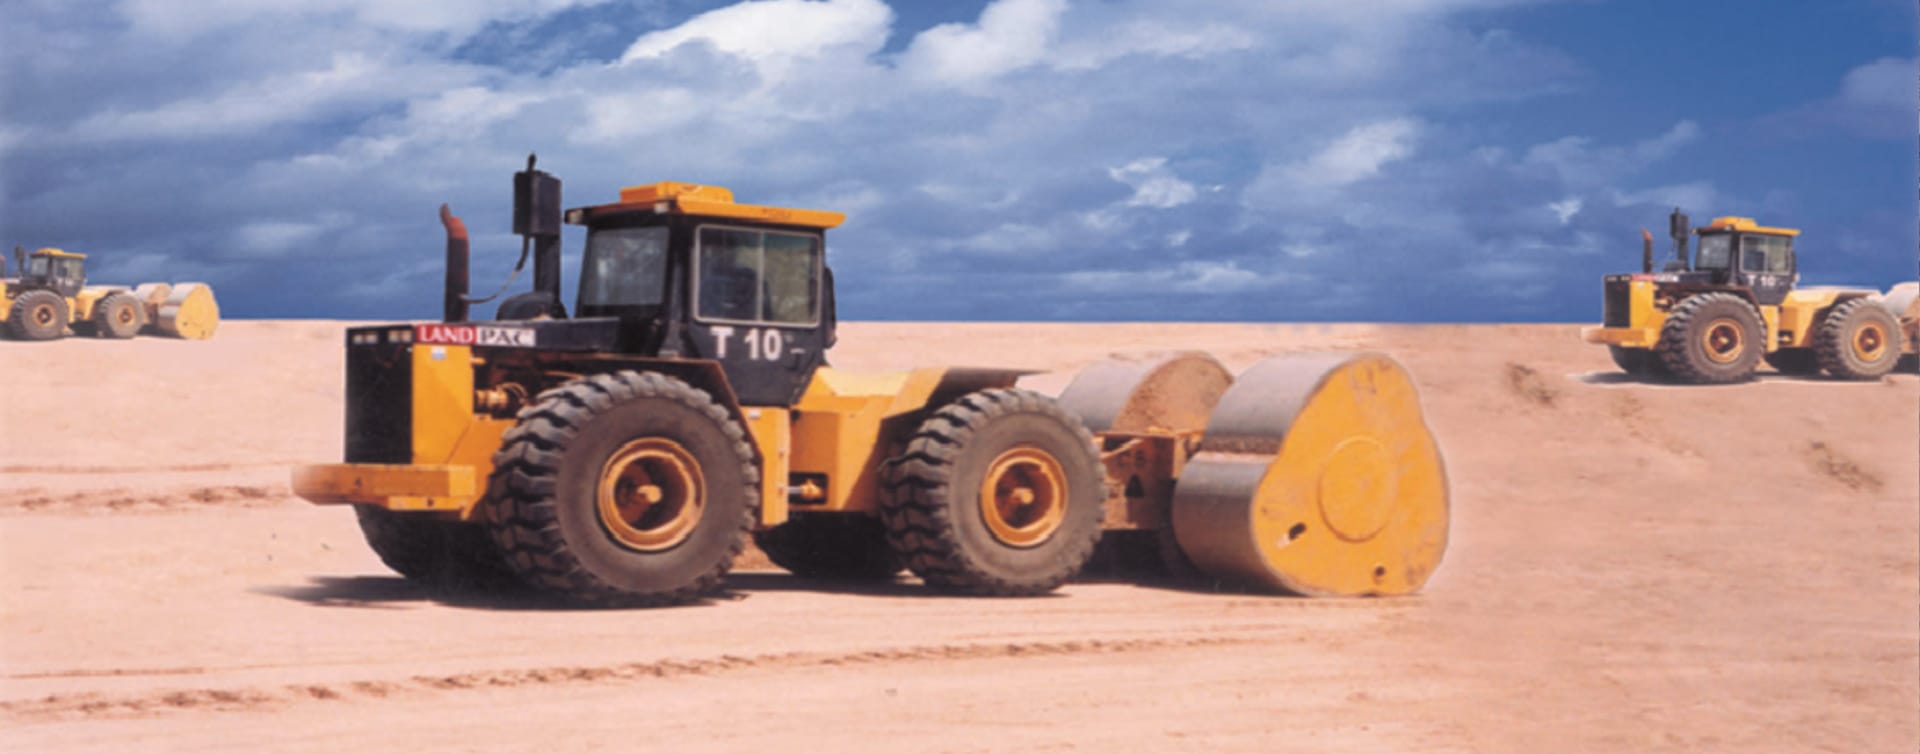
[[1714, 317], [622, 452], [51, 298]]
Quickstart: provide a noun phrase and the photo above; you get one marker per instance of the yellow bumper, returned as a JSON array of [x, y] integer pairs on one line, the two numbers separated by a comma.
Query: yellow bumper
[[1625, 337], [391, 486]]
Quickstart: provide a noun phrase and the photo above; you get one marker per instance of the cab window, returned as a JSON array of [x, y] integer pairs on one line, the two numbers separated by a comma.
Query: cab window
[[1766, 254], [758, 276]]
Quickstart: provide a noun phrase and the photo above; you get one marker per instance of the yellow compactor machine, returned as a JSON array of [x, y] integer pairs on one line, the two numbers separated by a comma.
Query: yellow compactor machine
[[50, 298], [624, 451], [1714, 317]]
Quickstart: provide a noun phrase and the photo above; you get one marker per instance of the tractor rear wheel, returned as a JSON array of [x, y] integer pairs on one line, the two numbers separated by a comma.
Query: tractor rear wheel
[[1800, 361], [117, 316], [831, 546], [999, 493], [623, 489], [1712, 338], [439, 554], [1858, 340], [38, 315]]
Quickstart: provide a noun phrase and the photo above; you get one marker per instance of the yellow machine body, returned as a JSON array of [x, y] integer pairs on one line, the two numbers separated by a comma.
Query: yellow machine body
[[823, 454], [1791, 324]]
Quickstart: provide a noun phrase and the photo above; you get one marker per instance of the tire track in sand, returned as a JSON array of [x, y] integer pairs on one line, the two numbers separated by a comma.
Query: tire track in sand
[[87, 705]]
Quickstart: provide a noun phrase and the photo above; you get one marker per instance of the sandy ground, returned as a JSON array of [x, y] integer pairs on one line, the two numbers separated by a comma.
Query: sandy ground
[[1632, 568]]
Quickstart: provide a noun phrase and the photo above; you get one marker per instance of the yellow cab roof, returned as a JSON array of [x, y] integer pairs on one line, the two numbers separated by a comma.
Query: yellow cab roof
[[716, 201], [56, 253], [1744, 225]]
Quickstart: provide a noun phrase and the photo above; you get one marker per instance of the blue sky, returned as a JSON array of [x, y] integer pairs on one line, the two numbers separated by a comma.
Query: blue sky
[[1319, 160]]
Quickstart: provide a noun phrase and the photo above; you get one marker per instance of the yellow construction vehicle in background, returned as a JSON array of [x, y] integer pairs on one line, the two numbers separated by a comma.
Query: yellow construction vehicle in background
[[51, 298], [1713, 317], [624, 452]]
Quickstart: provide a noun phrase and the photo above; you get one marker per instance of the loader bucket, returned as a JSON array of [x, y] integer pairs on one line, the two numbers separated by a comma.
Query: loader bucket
[[1319, 476]]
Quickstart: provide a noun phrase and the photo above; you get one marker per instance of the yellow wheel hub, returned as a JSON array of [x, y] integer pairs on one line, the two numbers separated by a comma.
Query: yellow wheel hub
[[1870, 342], [651, 494], [1023, 497], [1723, 340], [43, 315]]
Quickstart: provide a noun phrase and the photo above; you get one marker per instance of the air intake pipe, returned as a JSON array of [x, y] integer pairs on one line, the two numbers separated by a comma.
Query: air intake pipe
[[457, 261]]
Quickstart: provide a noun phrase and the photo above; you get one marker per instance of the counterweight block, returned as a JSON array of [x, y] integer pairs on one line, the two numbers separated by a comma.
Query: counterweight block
[[1318, 475]]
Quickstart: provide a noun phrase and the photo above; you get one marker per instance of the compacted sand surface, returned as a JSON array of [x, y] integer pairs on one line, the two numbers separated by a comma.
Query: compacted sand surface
[[1632, 567]]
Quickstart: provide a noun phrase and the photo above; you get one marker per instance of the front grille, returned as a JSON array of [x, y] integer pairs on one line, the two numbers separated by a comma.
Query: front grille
[[379, 402], [1617, 311]]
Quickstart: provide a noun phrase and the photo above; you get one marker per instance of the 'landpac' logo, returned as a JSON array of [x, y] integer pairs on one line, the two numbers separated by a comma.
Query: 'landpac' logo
[[474, 335]]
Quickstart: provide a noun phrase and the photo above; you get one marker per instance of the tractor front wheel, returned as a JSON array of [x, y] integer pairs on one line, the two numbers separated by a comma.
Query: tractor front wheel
[[1712, 338], [628, 488], [38, 315]]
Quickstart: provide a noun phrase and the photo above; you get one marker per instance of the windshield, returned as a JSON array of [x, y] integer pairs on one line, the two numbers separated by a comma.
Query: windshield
[[1716, 252], [39, 267], [624, 267]]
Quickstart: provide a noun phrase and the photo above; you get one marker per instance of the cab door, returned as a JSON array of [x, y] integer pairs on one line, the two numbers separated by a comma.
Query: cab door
[[756, 299], [1767, 267]]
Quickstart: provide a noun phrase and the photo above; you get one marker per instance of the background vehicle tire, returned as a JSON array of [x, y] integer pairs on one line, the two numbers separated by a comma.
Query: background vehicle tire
[[38, 315], [1794, 361], [623, 489], [1712, 338], [117, 316], [999, 493], [831, 546], [1858, 340], [436, 553]]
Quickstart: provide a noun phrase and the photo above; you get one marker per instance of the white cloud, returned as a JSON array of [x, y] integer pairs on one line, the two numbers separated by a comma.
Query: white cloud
[[1010, 35], [774, 34], [1185, 277], [1154, 185], [1578, 161], [352, 80], [1887, 83], [183, 18], [1566, 208], [1357, 155]]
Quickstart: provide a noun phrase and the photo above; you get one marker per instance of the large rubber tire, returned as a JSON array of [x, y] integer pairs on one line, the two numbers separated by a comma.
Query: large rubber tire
[[38, 315], [1797, 361], [436, 553], [117, 316], [1858, 340], [937, 505], [557, 509], [831, 546], [1712, 338]]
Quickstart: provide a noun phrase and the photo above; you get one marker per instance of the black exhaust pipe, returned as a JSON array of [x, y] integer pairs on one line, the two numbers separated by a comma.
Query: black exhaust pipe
[[457, 260], [1646, 251]]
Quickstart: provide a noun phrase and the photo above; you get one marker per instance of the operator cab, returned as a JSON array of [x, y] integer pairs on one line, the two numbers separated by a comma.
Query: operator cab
[[1737, 252], [692, 274], [62, 272]]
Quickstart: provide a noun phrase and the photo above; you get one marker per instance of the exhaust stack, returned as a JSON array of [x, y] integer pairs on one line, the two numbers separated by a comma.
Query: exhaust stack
[[457, 261]]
